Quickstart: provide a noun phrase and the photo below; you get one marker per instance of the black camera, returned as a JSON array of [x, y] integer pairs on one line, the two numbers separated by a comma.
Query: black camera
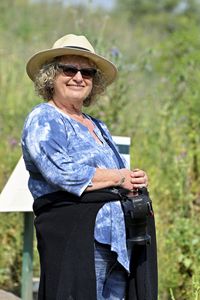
[[136, 211]]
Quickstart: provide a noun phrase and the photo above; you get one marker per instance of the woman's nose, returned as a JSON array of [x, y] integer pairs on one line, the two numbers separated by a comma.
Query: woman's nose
[[78, 77]]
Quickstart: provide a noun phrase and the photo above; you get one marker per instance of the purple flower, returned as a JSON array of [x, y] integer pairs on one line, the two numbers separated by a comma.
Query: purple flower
[[115, 52], [12, 142]]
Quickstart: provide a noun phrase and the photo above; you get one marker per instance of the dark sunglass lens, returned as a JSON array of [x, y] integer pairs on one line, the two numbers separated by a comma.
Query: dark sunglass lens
[[88, 73], [71, 71]]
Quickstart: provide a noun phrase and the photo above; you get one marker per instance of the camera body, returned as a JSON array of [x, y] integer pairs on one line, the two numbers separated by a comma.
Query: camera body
[[136, 211]]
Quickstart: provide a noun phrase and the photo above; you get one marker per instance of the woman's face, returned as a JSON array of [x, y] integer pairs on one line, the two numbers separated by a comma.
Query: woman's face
[[72, 86]]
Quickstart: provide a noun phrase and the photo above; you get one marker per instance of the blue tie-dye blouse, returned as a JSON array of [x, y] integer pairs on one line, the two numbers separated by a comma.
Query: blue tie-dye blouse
[[64, 155]]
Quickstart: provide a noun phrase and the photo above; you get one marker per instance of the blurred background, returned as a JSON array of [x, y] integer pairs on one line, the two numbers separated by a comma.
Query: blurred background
[[156, 47]]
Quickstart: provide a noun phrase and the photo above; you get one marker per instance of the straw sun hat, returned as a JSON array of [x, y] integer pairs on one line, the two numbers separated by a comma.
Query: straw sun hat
[[71, 44]]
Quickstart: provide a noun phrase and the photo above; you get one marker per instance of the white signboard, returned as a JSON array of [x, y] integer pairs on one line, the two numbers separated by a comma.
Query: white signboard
[[123, 144], [16, 196]]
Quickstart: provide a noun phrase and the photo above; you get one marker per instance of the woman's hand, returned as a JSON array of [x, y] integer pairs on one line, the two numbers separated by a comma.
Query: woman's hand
[[134, 179], [125, 178]]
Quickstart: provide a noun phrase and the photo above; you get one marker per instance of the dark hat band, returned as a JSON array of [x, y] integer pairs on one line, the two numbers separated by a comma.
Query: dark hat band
[[75, 47]]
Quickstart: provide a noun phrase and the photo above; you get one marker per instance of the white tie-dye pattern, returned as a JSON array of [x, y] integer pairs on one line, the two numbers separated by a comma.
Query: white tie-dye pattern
[[82, 148], [43, 135]]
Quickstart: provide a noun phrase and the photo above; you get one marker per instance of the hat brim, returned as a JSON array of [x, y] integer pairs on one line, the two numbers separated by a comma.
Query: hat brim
[[34, 64]]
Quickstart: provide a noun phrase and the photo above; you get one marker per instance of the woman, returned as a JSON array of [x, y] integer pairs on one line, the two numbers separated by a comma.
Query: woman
[[68, 154]]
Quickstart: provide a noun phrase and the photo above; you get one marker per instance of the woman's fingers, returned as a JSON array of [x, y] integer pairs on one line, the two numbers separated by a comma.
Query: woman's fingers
[[139, 178], [134, 179]]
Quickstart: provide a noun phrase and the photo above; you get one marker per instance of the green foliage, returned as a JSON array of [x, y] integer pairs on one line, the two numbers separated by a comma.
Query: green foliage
[[174, 136], [137, 8], [11, 250], [154, 101]]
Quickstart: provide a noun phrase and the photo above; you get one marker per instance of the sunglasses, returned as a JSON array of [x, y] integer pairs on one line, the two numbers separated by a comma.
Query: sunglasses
[[71, 71]]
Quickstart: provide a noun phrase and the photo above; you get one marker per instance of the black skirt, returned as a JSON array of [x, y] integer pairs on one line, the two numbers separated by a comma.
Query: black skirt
[[65, 236]]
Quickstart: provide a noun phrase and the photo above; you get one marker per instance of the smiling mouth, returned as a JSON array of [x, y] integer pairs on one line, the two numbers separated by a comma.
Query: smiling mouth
[[78, 86]]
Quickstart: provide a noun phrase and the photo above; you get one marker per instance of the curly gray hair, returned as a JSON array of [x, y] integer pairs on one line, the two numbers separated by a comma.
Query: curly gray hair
[[44, 82]]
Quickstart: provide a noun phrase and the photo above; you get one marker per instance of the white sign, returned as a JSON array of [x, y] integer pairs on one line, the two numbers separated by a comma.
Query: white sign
[[16, 196], [123, 144]]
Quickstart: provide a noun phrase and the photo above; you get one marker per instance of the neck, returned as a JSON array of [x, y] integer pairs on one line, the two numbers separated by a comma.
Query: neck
[[68, 108], [73, 111]]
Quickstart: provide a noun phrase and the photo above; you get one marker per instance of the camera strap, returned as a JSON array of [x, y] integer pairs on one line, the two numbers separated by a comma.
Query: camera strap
[[109, 142]]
